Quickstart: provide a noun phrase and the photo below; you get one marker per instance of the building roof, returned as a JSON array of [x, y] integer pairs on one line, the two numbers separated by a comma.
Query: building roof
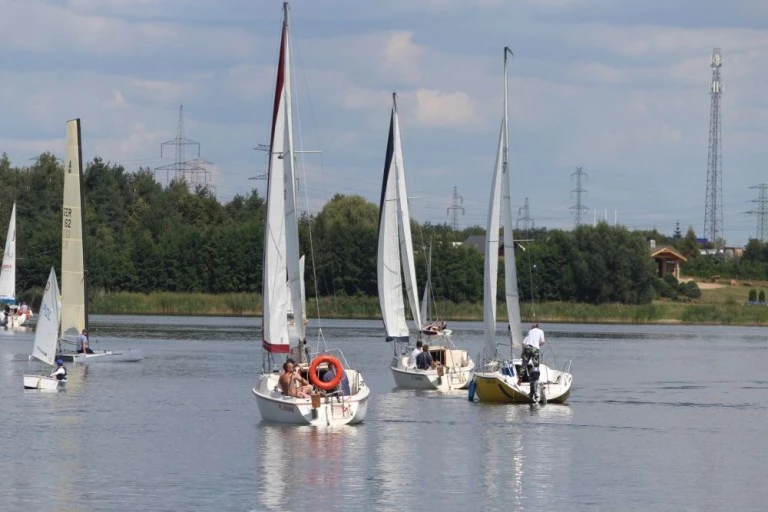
[[667, 252]]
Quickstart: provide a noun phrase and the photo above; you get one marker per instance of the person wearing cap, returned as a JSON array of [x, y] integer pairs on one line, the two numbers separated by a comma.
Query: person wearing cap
[[60, 372], [531, 346], [82, 343]]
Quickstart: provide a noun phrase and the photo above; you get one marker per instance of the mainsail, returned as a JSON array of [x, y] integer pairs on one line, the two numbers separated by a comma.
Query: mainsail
[[8, 273], [74, 284], [395, 247], [47, 330]]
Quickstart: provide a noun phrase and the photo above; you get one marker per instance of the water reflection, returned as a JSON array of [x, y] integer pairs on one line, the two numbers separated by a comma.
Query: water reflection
[[306, 464]]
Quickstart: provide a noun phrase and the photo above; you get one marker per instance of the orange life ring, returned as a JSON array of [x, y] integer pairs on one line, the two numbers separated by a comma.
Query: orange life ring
[[314, 379]]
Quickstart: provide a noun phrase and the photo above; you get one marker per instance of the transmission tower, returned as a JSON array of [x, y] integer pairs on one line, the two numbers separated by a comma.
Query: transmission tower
[[191, 171], [453, 210], [579, 208], [525, 217], [713, 209], [761, 212]]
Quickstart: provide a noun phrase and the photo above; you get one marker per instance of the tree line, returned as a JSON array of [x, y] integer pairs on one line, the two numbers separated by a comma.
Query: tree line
[[145, 237]]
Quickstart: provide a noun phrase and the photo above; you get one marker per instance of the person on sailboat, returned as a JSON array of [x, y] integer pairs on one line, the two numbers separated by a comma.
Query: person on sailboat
[[60, 372], [293, 384], [415, 354], [23, 309], [424, 360], [82, 343], [330, 374], [531, 347]]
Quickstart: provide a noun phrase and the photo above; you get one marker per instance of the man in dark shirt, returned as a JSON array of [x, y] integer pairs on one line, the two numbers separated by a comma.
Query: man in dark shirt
[[424, 360]]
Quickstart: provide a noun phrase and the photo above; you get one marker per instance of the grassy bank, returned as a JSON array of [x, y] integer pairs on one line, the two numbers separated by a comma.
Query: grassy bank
[[725, 305]]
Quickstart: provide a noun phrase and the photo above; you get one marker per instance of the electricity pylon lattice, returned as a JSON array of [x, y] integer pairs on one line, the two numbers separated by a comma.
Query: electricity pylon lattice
[[455, 207], [579, 209], [761, 212], [525, 217], [713, 205], [193, 172]]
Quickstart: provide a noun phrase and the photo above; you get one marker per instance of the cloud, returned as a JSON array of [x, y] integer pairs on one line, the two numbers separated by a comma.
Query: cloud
[[445, 109], [402, 57]]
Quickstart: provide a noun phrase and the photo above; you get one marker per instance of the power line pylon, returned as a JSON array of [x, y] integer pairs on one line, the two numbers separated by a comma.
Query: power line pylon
[[579, 209], [188, 170], [761, 212], [525, 217], [455, 207], [713, 205]]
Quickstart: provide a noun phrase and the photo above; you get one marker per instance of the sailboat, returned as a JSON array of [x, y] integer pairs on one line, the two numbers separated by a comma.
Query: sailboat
[[344, 399], [13, 316], [46, 337], [498, 381], [436, 327], [74, 278], [395, 263]]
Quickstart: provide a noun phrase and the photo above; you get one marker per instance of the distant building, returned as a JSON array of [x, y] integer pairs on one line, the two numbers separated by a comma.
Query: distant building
[[476, 242], [667, 260]]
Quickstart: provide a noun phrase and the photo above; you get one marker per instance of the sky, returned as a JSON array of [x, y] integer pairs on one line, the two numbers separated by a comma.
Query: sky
[[620, 88]]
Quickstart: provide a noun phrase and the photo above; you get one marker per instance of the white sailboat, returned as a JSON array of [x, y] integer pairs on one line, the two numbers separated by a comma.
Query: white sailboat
[[46, 337], [74, 278], [395, 264], [327, 405], [498, 381], [14, 315]]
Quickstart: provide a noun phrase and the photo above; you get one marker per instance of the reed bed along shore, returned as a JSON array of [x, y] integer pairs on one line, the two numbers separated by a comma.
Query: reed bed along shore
[[725, 307]]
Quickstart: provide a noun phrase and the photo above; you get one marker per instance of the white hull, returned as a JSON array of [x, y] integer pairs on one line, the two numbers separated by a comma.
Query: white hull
[[278, 408], [43, 383], [412, 378], [13, 321], [104, 356]]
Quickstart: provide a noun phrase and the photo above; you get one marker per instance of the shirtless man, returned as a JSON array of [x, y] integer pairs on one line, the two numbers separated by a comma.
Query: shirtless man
[[293, 384]]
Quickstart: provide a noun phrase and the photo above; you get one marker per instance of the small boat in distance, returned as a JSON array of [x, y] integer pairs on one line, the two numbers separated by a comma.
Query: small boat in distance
[[13, 314], [395, 263], [46, 337], [74, 278]]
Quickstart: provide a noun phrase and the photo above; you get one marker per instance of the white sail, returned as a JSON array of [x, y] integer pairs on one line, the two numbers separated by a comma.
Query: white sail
[[47, 330], [404, 225], [490, 270], [8, 272], [275, 292], [74, 314], [388, 264], [425, 315]]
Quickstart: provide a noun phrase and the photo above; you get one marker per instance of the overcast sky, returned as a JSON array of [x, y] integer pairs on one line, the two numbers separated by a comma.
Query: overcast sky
[[618, 87]]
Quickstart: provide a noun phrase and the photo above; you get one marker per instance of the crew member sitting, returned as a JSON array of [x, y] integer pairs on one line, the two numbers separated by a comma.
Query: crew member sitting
[[330, 374], [293, 384], [424, 360]]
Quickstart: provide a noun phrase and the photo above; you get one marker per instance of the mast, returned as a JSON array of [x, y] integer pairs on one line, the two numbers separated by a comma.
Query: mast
[[82, 223]]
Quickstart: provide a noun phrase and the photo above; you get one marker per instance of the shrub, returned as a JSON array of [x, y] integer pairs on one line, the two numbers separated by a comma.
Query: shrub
[[691, 290], [752, 295], [761, 296]]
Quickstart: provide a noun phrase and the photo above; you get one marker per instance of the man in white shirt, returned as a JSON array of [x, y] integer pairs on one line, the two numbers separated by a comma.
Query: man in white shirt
[[416, 352], [531, 346]]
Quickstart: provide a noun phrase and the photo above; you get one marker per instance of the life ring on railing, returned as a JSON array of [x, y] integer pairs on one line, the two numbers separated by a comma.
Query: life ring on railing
[[314, 379]]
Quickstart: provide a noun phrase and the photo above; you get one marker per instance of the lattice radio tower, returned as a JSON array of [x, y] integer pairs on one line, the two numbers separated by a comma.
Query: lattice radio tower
[[525, 217], [455, 207], [713, 208], [761, 212], [193, 171], [579, 209]]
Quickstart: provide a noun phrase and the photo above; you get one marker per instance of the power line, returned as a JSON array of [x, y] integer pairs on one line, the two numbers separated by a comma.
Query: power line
[[525, 218]]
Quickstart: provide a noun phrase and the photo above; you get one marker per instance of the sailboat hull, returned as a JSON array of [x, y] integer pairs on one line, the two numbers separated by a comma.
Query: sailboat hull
[[43, 383], [451, 378], [496, 387], [332, 411], [103, 356]]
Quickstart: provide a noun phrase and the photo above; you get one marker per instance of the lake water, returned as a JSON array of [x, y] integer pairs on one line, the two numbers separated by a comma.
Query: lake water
[[660, 418]]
